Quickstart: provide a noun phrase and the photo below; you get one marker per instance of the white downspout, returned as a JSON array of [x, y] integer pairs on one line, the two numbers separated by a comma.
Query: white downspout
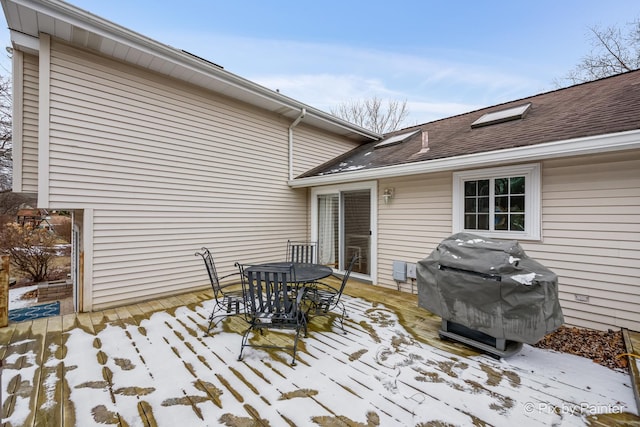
[[294, 124]]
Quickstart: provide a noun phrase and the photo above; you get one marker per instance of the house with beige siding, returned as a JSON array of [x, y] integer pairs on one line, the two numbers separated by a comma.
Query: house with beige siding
[[158, 152], [559, 172]]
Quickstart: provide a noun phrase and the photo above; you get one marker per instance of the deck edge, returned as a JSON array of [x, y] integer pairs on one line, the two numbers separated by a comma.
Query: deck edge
[[634, 372]]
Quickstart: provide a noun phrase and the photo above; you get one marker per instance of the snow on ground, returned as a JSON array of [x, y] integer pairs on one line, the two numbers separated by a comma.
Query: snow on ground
[[377, 374], [15, 297]]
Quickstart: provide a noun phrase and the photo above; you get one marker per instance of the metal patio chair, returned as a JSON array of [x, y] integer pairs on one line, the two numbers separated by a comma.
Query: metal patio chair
[[229, 302], [302, 252], [269, 304], [322, 298]]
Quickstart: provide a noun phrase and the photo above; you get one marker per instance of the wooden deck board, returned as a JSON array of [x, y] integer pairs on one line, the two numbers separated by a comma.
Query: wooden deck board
[[27, 344], [389, 341], [14, 346], [632, 342], [49, 383]]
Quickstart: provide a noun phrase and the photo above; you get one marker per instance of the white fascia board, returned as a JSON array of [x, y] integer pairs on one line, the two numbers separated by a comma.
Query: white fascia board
[[104, 28], [572, 147], [25, 42]]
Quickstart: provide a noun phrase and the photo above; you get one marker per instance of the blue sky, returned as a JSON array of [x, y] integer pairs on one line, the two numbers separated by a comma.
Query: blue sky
[[443, 57]]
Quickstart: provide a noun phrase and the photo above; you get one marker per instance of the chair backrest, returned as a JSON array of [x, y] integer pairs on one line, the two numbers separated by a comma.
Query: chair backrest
[[304, 252], [211, 271], [265, 290], [347, 273]]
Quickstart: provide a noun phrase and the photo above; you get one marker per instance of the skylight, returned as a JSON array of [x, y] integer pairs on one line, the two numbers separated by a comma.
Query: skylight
[[396, 139], [509, 114]]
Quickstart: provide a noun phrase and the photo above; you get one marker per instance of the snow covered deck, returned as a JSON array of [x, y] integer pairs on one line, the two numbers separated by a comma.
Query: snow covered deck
[[151, 364]]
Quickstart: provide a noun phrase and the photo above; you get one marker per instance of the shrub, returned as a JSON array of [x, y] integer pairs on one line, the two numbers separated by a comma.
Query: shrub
[[31, 250]]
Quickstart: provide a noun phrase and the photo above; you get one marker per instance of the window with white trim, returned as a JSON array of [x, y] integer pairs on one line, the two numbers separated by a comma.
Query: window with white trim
[[499, 202]]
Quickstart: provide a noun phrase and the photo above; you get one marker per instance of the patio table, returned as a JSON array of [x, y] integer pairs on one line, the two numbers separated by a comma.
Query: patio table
[[305, 273]]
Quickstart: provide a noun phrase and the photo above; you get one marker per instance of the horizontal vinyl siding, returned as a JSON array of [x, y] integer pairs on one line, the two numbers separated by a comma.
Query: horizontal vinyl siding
[[30, 124], [416, 220], [167, 168], [312, 148], [591, 237], [590, 226], [138, 256]]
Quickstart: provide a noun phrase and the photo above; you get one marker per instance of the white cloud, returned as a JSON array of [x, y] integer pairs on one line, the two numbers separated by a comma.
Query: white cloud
[[324, 89], [423, 111], [324, 75]]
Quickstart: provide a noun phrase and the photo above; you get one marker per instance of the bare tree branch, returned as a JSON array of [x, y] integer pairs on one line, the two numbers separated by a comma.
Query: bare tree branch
[[610, 39], [31, 250], [372, 114], [6, 165], [613, 52]]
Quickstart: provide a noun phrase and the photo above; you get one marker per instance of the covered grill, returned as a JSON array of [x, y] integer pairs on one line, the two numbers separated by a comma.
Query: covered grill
[[489, 293]]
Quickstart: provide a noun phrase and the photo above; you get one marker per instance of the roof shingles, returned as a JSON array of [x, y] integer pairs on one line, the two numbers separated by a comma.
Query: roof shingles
[[604, 106]]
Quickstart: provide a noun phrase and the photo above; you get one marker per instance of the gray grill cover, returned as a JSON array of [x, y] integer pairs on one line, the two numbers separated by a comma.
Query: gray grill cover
[[491, 286]]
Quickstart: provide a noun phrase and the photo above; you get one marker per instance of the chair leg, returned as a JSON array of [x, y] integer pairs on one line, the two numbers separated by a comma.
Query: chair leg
[[243, 343], [233, 306], [212, 324], [344, 313], [228, 312], [303, 320], [295, 347]]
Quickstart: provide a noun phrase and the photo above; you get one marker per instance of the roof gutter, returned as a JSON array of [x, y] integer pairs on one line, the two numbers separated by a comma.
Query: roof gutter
[[303, 112], [628, 140]]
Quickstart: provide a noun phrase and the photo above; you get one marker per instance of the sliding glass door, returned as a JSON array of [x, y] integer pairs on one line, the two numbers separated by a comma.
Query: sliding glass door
[[356, 222], [328, 232], [343, 227]]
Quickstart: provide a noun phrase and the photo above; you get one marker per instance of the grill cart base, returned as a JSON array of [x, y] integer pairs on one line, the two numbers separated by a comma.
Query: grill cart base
[[495, 347]]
